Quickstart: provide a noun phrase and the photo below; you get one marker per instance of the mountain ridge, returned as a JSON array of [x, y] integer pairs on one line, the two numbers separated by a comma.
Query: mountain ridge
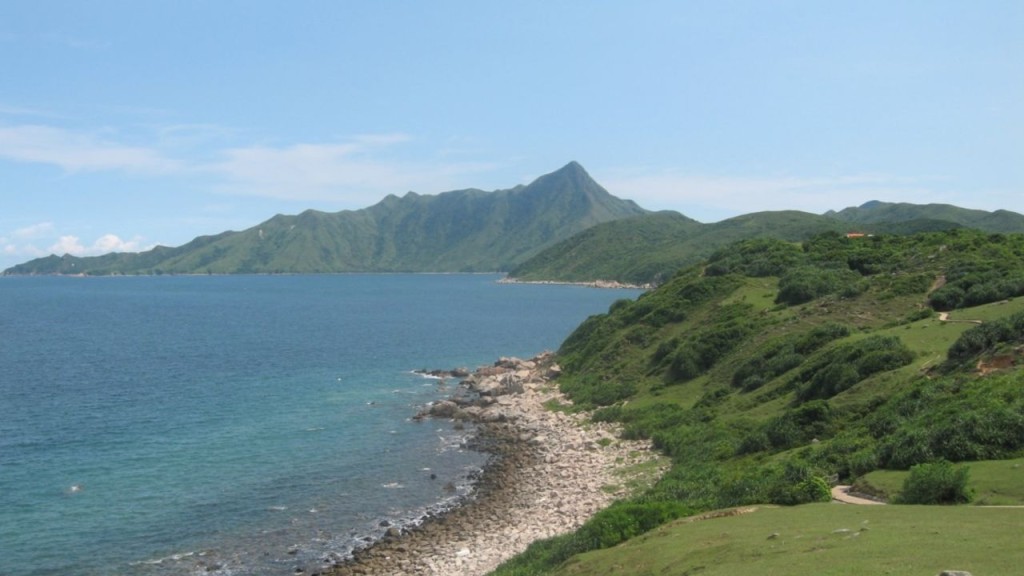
[[465, 230], [563, 226], [657, 246]]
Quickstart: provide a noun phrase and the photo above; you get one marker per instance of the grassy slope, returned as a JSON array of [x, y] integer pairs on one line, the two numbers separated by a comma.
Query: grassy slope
[[994, 482], [732, 446], [822, 540]]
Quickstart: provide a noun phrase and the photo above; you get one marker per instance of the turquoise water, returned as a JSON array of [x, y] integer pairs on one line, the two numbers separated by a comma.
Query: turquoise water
[[240, 425]]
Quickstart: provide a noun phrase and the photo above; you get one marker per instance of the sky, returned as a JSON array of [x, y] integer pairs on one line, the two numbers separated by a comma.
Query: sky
[[125, 124]]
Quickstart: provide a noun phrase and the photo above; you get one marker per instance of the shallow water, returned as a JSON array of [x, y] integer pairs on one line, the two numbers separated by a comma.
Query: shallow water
[[240, 424]]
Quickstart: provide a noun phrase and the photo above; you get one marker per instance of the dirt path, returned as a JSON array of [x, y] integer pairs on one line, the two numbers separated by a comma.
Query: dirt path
[[944, 317], [842, 495]]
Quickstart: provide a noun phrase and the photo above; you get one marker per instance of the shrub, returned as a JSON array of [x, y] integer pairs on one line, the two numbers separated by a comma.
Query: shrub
[[936, 483], [983, 338], [843, 366], [806, 283], [593, 391], [729, 326], [819, 336], [620, 522]]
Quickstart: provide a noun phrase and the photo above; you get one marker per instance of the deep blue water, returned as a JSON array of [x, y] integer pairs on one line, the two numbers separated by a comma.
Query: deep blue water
[[239, 424]]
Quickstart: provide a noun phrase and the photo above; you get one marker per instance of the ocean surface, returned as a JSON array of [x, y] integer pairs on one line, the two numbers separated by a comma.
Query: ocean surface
[[241, 424]]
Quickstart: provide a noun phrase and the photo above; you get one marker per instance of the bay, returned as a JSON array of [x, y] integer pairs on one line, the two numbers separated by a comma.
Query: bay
[[240, 424]]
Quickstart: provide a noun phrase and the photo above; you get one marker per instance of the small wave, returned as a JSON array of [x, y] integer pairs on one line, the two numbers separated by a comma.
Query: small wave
[[428, 376], [157, 561], [316, 429], [277, 508], [392, 485]]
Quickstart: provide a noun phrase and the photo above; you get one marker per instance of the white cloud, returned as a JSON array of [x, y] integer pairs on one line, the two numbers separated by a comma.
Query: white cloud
[[709, 198], [103, 245], [77, 151]]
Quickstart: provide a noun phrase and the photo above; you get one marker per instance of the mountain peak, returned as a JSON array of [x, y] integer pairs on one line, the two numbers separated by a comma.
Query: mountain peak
[[572, 174], [573, 170]]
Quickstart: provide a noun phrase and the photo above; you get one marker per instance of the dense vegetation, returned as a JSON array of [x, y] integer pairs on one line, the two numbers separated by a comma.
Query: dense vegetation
[[459, 231], [773, 369]]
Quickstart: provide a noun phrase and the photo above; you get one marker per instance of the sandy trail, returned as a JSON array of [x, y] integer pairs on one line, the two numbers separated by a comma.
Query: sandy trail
[[842, 495]]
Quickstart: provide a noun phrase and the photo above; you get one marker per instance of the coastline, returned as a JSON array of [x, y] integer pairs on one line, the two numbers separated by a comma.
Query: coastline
[[551, 472], [605, 284]]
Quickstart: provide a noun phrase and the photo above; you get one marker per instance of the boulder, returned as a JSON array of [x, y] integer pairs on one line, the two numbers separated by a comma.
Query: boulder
[[488, 387], [511, 383], [443, 409]]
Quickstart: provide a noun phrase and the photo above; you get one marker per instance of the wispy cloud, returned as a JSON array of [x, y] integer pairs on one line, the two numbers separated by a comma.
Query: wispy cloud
[[11, 110], [360, 168], [714, 197], [352, 171], [34, 231], [78, 151]]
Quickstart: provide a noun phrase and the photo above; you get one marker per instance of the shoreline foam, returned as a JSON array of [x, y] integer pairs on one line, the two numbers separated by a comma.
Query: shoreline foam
[[552, 471]]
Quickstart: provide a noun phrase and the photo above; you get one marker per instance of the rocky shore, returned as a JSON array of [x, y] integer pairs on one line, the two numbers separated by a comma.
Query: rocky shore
[[607, 284], [552, 471]]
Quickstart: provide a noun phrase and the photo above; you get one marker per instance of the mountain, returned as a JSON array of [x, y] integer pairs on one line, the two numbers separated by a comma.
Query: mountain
[[459, 231], [650, 248], [875, 212]]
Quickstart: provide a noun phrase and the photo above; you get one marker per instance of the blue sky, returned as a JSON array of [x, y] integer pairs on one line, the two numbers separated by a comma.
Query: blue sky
[[125, 124]]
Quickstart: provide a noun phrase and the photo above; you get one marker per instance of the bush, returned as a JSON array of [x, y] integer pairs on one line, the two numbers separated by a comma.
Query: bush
[[620, 522], [843, 366], [806, 283], [594, 391], [986, 337], [936, 483]]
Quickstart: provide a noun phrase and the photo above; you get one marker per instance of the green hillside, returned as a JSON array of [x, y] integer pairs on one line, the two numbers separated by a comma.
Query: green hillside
[[773, 369], [875, 212], [650, 248], [459, 231]]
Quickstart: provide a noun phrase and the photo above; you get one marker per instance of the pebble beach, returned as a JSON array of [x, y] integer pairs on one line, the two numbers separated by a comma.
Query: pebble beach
[[551, 472]]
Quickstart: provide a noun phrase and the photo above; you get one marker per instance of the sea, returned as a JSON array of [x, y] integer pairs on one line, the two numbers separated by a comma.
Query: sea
[[242, 425]]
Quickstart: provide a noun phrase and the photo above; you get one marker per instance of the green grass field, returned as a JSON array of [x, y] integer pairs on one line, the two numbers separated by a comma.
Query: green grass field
[[823, 540], [994, 482]]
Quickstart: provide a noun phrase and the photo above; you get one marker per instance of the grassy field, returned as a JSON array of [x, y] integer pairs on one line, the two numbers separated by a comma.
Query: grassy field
[[823, 540], [994, 482]]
